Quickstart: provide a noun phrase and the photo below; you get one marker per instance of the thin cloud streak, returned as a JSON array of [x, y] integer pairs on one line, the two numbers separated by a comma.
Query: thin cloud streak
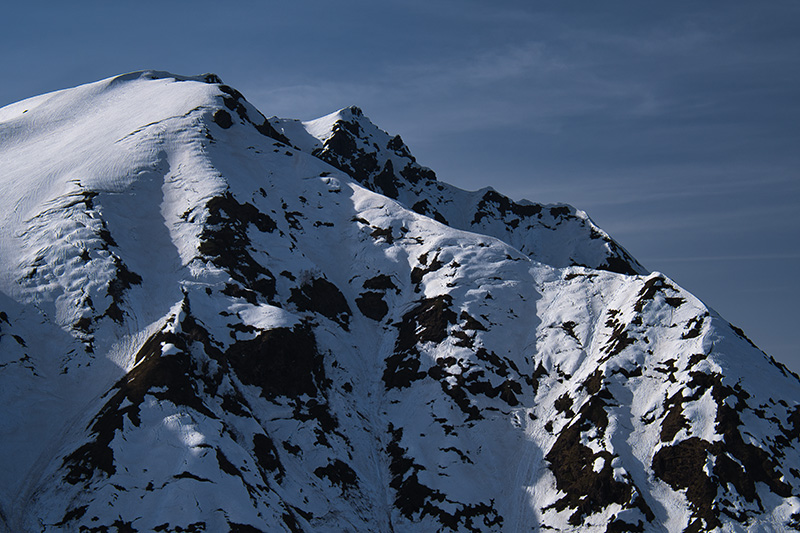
[[710, 258]]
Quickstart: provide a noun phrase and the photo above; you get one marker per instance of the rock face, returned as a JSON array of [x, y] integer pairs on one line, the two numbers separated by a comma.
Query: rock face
[[211, 321]]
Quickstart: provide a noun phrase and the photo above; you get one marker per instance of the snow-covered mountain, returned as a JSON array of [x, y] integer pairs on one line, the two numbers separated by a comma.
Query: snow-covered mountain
[[211, 321]]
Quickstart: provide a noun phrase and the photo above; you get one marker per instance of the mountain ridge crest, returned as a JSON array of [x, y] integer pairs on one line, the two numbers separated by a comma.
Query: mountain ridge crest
[[210, 321]]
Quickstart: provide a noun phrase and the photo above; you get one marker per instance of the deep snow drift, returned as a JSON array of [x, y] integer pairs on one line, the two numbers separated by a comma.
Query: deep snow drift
[[212, 321]]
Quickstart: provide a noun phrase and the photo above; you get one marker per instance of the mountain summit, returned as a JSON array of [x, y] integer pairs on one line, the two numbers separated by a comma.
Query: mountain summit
[[215, 321]]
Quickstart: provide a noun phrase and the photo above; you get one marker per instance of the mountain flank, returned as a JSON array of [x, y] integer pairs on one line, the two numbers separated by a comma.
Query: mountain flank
[[211, 320]]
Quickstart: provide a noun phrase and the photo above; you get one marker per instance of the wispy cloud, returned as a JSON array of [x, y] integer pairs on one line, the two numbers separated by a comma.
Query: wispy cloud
[[528, 83], [305, 100], [726, 258]]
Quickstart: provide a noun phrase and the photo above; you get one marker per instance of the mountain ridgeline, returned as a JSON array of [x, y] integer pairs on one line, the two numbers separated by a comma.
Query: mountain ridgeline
[[214, 321]]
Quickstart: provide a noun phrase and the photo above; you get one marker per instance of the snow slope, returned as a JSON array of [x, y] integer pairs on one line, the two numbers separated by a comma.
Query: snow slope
[[556, 234], [210, 321]]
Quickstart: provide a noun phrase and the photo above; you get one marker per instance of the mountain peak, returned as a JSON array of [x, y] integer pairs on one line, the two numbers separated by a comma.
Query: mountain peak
[[350, 118], [351, 111], [162, 74], [237, 325], [349, 141]]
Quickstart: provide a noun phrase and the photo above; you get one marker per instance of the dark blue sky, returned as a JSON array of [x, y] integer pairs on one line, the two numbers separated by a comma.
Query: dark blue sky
[[676, 126]]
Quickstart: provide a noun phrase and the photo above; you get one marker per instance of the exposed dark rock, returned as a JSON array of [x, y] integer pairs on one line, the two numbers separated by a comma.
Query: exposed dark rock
[[323, 297], [371, 304], [464, 339], [502, 205], [225, 465], [381, 282], [461, 455], [293, 218], [339, 474], [674, 421], [397, 145], [674, 301], [385, 181], [735, 463], [458, 391], [681, 466], [123, 280], [651, 287], [418, 273], [694, 327], [72, 515], [472, 379], [235, 102], [538, 374], [794, 521], [415, 500], [564, 405], [498, 365], [588, 490], [267, 456], [341, 151], [424, 207], [383, 233], [172, 377], [569, 329], [189, 475], [316, 409], [427, 322], [414, 173], [291, 448], [410, 493], [237, 291], [196, 527], [247, 528], [620, 265], [471, 323], [224, 240], [281, 361], [793, 433], [594, 382], [619, 338], [621, 526], [226, 208], [223, 119]]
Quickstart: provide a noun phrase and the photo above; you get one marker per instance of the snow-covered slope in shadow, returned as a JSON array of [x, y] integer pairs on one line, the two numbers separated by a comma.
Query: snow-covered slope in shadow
[[555, 234]]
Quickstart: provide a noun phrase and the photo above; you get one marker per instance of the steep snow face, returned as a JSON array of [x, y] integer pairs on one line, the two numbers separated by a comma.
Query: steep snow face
[[205, 326], [557, 234]]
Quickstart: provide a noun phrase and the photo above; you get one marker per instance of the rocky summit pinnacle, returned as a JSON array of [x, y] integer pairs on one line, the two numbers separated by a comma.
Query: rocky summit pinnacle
[[215, 321]]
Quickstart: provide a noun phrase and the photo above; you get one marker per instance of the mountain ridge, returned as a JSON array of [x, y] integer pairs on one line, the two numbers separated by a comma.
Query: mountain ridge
[[351, 142], [236, 328]]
